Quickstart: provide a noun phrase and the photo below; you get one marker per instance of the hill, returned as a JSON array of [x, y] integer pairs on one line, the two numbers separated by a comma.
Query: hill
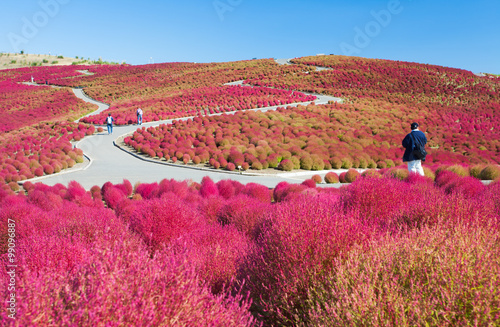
[[19, 60]]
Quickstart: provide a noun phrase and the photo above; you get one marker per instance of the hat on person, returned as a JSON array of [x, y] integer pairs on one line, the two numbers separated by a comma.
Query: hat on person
[[414, 126]]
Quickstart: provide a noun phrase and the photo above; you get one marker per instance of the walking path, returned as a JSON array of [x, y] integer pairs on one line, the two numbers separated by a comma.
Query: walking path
[[107, 162]]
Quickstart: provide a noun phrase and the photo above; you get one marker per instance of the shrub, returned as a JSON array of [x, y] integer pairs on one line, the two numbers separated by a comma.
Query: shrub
[[399, 173], [296, 162], [429, 173], [336, 163], [317, 179], [48, 169], [148, 190], [113, 196], [306, 162], [230, 166], [273, 160], [342, 177], [490, 172], [389, 163], [346, 163], [208, 188], [14, 186], [371, 173], [475, 171], [286, 165], [158, 221], [296, 247], [459, 170], [395, 263], [257, 191], [331, 178], [245, 213], [371, 164], [351, 175], [309, 183], [317, 163], [256, 165]]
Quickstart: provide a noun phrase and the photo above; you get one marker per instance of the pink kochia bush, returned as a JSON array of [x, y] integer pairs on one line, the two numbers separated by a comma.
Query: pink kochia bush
[[79, 264], [379, 251]]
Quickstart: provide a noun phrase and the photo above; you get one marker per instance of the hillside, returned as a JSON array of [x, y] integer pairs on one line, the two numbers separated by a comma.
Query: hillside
[[182, 227], [18, 60], [458, 110]]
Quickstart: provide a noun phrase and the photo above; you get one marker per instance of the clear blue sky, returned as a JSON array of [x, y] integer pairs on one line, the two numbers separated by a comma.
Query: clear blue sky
[[462, 34]]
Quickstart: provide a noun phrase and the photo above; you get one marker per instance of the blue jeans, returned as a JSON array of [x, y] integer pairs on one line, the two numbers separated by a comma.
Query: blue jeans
[[139, 119], [110, 128]]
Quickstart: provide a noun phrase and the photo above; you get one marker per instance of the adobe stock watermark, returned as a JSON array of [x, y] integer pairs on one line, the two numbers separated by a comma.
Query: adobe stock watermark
[[31, 27], [223, 6], [11, 269], [364, 36]]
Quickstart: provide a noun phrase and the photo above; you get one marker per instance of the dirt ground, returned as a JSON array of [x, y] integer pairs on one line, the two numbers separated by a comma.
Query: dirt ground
[[17, 60]]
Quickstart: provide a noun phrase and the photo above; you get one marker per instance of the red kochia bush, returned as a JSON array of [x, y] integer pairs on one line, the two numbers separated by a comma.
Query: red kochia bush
[[208, 187], [157, 221], [147, 191], [393, 263], [215, 251], [299, 240], [245, 213], [170, 291], [113, 196], [257, 191]]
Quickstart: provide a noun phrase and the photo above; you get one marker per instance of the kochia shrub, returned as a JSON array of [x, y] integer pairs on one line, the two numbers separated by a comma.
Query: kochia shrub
[[331, 178], [393, 263], [286, 165], [317, 179], [158, 221], [298, 244], [351, 175], [306, 162], [490, 172]]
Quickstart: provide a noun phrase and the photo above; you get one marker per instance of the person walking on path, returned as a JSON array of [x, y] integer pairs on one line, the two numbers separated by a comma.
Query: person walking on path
[[109, 123], [139, 116], [414, 138]]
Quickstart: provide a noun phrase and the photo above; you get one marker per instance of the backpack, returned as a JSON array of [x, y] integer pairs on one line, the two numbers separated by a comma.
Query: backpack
[[109, 120], [419, 150]]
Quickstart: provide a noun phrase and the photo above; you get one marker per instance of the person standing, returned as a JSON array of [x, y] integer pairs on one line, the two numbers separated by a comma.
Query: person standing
[[414, 138], [139, 116], [109, 123]]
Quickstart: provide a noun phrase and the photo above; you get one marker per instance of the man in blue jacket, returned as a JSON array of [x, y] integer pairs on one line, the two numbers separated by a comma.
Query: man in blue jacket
[[414, 164]]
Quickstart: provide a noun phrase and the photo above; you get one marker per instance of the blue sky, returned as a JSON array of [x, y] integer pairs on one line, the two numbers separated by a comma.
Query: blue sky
[[462, 34]]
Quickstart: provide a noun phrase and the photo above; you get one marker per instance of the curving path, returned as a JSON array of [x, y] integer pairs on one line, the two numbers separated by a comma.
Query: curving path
[[107, 162]]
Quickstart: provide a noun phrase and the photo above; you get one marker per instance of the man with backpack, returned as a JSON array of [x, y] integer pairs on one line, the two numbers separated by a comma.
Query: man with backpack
[[414, 144], [109, 123]]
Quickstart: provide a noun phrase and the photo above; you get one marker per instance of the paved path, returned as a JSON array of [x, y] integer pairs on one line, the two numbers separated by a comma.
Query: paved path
[[288, 62], [106, 162]]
